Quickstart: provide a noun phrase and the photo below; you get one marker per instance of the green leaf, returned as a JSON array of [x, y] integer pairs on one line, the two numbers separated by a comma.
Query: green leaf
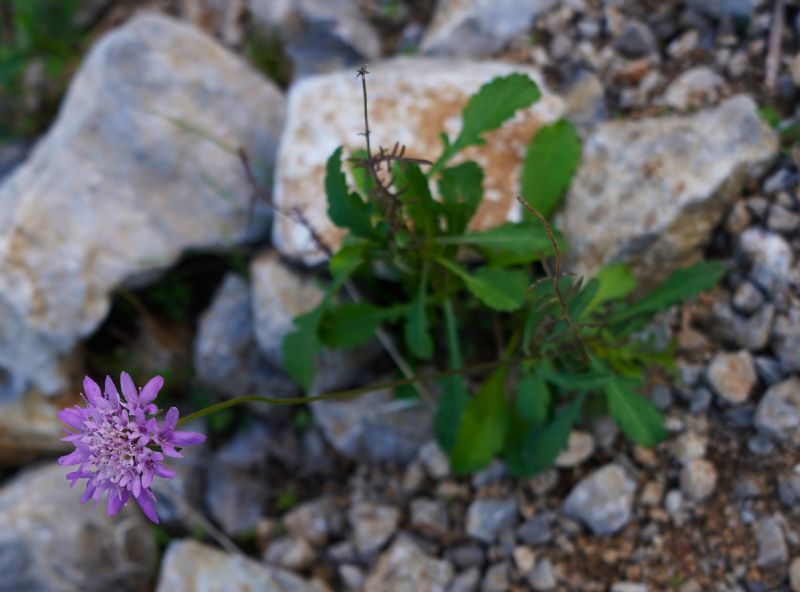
[[351, 324], [585, 381], [451, 405], [533, 399], [579, 302], [616, 282], [516, 237], [417, 330], [500, 289], [494, 104], [301, 346], [638, 417], [346, 260], [345, 209], [416, 195], [362, 177], [550, 161], [679, 286], [541, 445], [461, 188], [483, 426]]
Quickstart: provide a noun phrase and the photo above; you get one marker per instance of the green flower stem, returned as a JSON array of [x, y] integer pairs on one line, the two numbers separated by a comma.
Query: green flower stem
[[346, 394]]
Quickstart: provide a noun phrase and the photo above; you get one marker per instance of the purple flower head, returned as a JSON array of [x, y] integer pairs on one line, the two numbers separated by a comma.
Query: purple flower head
[[119, 444]]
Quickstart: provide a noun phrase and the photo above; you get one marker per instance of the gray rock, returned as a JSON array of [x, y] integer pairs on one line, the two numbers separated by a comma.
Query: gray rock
[[292, 553], [538, 530], [603, 500], [693, 88], [226, 356], [688, 446], [412, 99], [404, 567], [318, 35], [778, 412], [279, 295], [373, 525], [789, 488], [753, 334], [636, 40], [698, 479], [769, 370], [747, 298], [720, 9], [375, 427], [435, 461], [732, 376], [542, 578], [782, 221], [466, 555], [190, 565], [493, 473], [467, 581], [772, 550], [650, 191], [131, 101], [770, 256], [496, 578], [314, 520], [760, 445], [472, 28], [794, 575], [786, 341], [629, 587], [429, 517], [352, 577], [585, 99], [487, 517], [48, 541], [580, 447], [237, 488]]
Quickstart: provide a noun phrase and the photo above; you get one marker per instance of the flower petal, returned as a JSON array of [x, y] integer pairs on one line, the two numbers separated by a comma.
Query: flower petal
[[147, 503], [75, 457], [128, 389], [150, 390], [92, 392], [170, 420], [111, 392], [116, 501], [183, 439], [72, 417]]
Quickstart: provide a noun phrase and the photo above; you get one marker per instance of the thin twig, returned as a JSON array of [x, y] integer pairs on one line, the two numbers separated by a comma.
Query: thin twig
[[774, 54], [556, 278]]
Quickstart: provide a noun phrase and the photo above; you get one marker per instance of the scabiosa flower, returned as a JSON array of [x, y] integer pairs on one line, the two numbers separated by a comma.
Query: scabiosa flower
[[119, 444]]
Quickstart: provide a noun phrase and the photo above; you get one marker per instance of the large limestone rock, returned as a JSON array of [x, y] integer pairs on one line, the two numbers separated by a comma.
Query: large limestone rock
[[479, 27], [131, 174], [48, 541], [189, 565], [650, 191], [410, 101]]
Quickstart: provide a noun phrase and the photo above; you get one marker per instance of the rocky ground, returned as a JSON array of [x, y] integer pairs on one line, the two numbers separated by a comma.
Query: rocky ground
[[128, 240]]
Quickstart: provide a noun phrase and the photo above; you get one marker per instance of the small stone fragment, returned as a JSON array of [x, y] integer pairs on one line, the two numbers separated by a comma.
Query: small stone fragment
[[698, 479], [496, 578], [747, 298], [487, 517], [772, 550], [778, 412], [794, 575], [466, 581], [580, 448], [429, 517], [542, 578], [435, 461], [694, 88], [732, 376], [294, 554], [404, 567], [603, 500], [373, 525]]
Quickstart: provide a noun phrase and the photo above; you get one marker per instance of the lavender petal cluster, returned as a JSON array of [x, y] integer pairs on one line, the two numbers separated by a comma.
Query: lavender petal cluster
[[120, 446]]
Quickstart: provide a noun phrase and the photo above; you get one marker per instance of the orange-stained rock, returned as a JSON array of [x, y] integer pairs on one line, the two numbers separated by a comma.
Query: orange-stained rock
[[410, 101]]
